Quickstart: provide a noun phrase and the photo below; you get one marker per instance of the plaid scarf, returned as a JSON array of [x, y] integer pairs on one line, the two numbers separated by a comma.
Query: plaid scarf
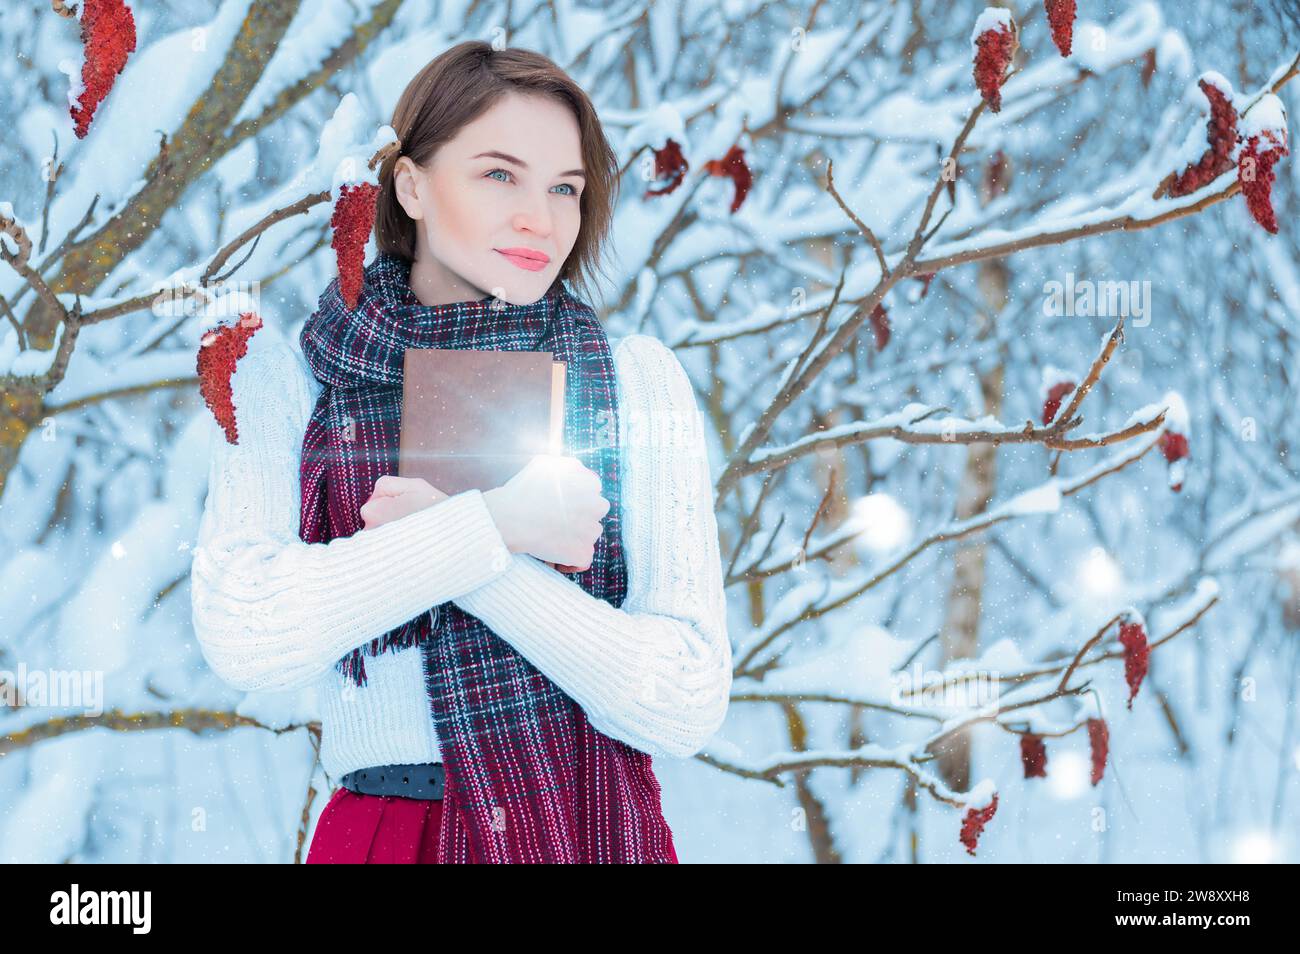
[[528, 779]]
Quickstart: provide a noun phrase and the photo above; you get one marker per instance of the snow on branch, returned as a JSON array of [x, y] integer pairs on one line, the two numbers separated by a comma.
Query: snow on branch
[[918, 424], [1141, 209], [1138, 211], [1012, 698]]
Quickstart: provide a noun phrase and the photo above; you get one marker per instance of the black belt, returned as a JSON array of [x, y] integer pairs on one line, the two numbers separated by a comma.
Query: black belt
[[424, 780]]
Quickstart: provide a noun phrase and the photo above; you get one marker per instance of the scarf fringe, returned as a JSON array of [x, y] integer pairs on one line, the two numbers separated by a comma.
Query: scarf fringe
[[411, 633]]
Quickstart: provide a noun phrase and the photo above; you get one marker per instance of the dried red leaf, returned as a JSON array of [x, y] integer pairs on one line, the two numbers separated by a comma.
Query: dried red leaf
[[973, 824], [880, 325], [997, 176], [925, 278], [1148, 66], [733, 166], [1137, 654], [1255, 173], [1033, 755], [1221, 139], [994, 49], [352, 220], [108, 38], [219, 351], [1099, 742], [1060, 17], [670, 164], [1054, 397]]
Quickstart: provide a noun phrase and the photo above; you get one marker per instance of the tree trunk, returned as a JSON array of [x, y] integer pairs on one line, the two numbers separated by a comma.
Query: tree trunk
[[959, 637]]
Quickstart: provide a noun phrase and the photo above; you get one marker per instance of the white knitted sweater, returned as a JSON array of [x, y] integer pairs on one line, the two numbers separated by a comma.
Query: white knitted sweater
[[274, 613]]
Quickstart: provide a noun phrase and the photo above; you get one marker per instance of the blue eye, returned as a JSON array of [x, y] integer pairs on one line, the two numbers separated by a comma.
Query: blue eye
[[572, 190]]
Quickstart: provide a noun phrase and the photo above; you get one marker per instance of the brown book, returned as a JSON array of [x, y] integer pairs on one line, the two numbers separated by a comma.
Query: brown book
[[471, 419]]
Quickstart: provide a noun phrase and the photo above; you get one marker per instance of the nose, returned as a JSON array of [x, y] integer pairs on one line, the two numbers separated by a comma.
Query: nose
[[535, 217]]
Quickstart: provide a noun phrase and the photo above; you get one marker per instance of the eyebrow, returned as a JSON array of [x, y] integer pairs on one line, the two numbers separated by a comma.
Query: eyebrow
[[494, 154]]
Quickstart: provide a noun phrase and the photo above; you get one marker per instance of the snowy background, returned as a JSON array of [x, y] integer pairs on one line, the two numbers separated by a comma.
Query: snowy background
[[875, 554]]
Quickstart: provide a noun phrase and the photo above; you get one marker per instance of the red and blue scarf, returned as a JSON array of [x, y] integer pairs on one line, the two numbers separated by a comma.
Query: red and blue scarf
[[528, 779]]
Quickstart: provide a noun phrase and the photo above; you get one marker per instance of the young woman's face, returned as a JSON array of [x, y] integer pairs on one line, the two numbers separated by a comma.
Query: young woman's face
[[497, 207]]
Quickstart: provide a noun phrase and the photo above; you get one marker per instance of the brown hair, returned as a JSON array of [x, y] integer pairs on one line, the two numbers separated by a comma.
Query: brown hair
[[454, 89]]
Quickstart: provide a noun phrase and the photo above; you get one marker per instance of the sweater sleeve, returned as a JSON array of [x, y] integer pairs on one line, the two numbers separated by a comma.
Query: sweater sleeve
[[656, 672], [273, 612]]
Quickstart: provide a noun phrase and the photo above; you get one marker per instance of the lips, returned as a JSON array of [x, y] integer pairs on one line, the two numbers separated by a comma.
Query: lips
[[526, 258]]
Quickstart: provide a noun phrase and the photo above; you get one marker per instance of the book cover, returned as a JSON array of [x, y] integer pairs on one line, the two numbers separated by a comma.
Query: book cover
[[473, 419]]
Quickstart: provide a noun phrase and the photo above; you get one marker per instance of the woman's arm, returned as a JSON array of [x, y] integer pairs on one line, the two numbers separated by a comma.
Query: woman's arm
[[655, 673], [273, 612]]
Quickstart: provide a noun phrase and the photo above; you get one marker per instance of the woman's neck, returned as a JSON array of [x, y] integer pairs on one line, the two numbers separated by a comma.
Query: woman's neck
[[435, 284]]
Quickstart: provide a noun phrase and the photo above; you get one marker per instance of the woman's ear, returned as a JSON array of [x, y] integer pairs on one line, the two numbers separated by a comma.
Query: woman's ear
[[406, 177]]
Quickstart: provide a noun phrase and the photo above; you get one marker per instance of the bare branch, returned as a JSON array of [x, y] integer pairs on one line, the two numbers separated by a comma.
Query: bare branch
[[115, 720], [253, 231], [862, 226], [849, 591], [913, 758]]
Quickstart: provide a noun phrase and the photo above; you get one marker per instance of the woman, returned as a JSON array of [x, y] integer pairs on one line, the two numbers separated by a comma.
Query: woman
[[477, 703]]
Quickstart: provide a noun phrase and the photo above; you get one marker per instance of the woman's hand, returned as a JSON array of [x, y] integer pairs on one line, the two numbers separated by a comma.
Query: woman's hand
[[395, 497], [552, 509]]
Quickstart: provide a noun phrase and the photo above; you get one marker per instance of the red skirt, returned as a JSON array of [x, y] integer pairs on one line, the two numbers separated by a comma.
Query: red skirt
[[379, 830], [376, 830]]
